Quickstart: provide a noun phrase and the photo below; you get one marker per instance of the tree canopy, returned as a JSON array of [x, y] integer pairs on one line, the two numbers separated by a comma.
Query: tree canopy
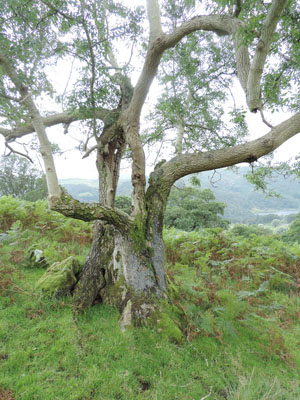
[[194, 57]]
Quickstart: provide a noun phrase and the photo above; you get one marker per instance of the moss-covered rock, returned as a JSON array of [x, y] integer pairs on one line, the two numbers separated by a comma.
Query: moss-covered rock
[[60, 278], [36, 259]]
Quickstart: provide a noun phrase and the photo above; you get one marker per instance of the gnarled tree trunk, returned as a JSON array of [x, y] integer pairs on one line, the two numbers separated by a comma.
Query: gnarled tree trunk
[[126, 265]]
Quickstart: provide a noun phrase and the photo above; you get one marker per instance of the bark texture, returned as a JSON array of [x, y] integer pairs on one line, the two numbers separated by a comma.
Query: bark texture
[[125, 265], [94, 277]]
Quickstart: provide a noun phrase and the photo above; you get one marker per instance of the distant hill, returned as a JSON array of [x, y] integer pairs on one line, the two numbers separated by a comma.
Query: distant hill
[[243, 202], [86, 190]]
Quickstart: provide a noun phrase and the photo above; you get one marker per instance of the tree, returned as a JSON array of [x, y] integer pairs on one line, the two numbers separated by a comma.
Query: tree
[[190, 208], [195, 57], [19, 178], [293, 233], [123, 203]]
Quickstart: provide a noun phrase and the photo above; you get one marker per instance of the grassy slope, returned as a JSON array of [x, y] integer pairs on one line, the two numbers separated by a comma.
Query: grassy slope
[[236, 299]]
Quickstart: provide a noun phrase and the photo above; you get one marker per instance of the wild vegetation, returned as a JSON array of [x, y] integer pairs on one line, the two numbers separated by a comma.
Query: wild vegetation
[[233, 333]]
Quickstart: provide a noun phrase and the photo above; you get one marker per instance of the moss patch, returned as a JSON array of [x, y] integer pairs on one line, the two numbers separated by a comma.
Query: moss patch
[[137, 233], [60, 278]]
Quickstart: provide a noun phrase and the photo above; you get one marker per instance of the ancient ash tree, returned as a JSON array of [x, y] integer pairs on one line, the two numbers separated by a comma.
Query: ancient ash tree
[[195, 50]]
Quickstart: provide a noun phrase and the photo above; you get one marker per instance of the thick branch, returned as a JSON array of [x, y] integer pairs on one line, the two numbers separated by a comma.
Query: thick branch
[[51, 120], [70, 207], [242, 59], [262, 49], [154, 19], [88, 152], [221, 25], [37, 123], [186, 164], [130, 125], [158, 44], [93, 66]]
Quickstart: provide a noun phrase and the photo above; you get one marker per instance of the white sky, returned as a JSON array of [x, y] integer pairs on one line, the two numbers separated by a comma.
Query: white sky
[[71, 165]]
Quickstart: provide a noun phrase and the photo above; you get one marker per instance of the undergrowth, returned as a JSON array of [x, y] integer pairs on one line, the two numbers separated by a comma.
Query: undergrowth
[[238, 301]]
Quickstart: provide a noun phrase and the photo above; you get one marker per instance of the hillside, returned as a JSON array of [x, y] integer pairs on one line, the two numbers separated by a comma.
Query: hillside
[[234, 302], [242, 201]]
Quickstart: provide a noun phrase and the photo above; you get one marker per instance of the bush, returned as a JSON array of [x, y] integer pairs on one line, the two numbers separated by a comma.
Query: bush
[[247, 231], [293, 233]]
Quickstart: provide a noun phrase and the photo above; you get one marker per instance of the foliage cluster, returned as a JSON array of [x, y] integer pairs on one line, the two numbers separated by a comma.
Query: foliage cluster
[[19, 178], [293, 233], [237, 301], [190, 208], [247, 231]]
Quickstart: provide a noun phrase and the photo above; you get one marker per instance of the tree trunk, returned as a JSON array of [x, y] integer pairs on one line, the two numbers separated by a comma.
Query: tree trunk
[[93, 278], [123, 267]]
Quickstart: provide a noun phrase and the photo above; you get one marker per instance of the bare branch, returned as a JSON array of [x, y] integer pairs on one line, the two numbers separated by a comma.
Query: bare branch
[[17, 152], [5, 96], [242, 58], [238, 8], [112, 60], [58, 11], [264, 120], [37, 123], [179, 136], [90, 151], [221, 25], [93, 65]]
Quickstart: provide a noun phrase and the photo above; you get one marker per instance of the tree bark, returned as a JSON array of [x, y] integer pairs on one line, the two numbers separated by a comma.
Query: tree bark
[[94, 276], [125, 266]]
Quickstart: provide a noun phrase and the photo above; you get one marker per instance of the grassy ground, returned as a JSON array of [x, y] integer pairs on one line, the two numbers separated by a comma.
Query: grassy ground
[[237, 302]]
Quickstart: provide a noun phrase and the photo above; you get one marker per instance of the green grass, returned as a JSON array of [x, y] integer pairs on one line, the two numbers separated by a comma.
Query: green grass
[[237, 300]]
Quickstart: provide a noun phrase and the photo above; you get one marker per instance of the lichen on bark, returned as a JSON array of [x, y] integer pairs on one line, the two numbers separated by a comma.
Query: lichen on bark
[[70, 207]]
